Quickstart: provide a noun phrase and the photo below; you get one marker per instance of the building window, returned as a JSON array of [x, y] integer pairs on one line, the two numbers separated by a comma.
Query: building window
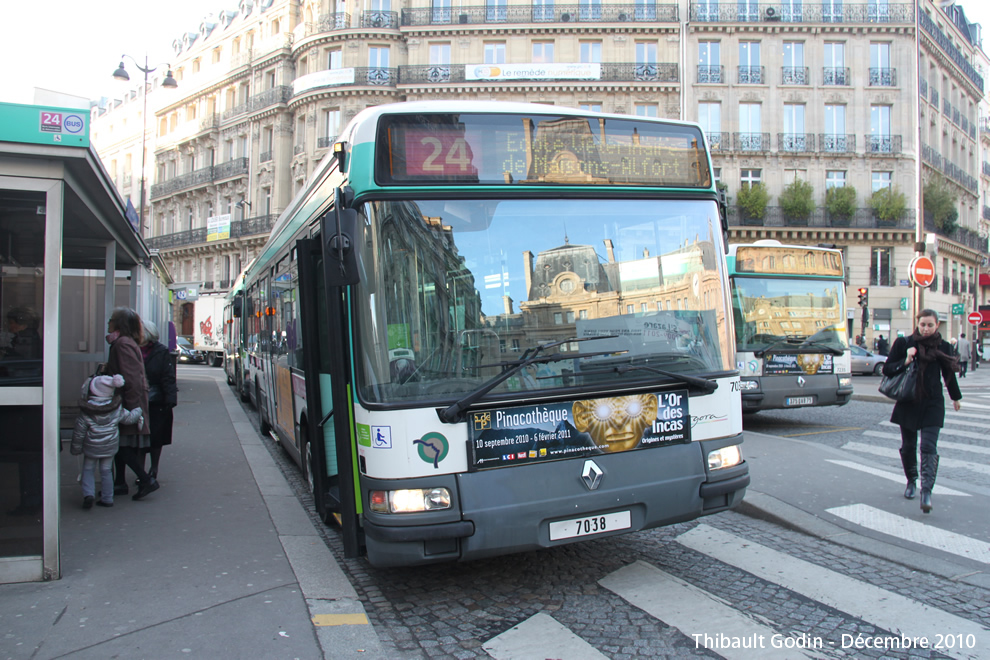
[[270, 79], [646, 52], [882, 180], [794, 138], [591, 107], [835, 140], [495, 52], [331, 123], [439, 54], [709, 62], [441, 11], [880, 138], [881, 74], [710, 118], [591, 51], [335, 58], [794, 72], [749, 177], [591, 10], [750, 137], [543, 52], [750, 71], [835, 72], [880, 263], [646, 110], [495, 11], [835, 179]]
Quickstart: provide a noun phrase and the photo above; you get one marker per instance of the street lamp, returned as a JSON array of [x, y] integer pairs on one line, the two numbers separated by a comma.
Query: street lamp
[[169, 82]]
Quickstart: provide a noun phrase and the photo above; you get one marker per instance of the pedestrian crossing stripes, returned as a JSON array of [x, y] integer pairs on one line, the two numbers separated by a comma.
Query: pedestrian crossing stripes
[[698, 614], [916, 532], [894, 455], [879, 607], [942, 444], [890, 476], [948, 430], [540, 637]]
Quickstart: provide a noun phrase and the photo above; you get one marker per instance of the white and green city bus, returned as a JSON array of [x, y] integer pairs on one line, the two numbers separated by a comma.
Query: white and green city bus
[[485, 328], [788, 303]]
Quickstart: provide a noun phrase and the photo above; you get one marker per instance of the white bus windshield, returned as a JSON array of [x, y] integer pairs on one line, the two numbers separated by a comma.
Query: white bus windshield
[[454, 291], [770, 311]]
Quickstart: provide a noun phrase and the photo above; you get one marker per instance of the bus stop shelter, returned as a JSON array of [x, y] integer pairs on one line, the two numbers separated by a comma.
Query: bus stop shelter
[[63, 228]]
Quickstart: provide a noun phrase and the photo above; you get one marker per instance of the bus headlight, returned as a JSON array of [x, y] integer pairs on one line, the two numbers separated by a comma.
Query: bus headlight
[[725, 457], [410, 500], [845, 381]]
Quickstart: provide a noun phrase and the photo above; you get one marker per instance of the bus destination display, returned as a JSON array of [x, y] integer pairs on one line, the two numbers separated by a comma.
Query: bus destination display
[[517, 149]]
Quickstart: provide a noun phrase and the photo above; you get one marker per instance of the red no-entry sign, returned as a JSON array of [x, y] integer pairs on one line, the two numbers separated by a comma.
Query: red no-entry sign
[[975, 318], [922, 271]]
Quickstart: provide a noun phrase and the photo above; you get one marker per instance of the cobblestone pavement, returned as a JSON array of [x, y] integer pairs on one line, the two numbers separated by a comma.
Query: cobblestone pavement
[[452, 610]]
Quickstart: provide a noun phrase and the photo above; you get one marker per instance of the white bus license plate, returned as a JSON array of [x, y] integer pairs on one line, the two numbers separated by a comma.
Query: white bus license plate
[[608, 522], [799, 400]]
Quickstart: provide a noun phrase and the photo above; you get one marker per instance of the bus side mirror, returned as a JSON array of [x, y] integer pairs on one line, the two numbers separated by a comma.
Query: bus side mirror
[[338, 232]]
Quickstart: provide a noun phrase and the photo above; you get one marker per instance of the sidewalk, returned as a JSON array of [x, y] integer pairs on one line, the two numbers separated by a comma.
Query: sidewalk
[[221, 562]]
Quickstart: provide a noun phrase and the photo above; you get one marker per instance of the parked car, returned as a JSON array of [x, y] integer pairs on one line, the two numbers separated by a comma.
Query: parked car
[[188, 354], [863, 361]]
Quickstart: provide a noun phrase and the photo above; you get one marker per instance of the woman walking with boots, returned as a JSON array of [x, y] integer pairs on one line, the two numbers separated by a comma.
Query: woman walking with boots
[[926, 413], [162, 393]]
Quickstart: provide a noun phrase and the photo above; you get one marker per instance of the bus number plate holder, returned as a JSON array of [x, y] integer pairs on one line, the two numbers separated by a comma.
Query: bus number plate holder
[[799, 401], [607, 522]]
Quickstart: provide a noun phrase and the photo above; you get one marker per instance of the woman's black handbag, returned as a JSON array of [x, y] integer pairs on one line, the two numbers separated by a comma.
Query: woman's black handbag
[[900, 386]]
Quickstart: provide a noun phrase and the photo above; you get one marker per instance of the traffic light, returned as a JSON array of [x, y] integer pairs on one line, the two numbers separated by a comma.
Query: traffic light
[[864, 297]]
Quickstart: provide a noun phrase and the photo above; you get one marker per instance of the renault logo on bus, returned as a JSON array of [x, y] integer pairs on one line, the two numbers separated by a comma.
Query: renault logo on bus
[[592, 475]]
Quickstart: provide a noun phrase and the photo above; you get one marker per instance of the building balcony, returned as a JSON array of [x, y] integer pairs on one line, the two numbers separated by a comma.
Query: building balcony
[[719, 141], [232, 168], [923, 87], [835, 75], [256, 226], [663, 72], [794, 75], [929, 26], [946, 107], [752, 75], [328, 23], [130, 177], [751, 142], [986, 170], [230, 113], [796, 142], [196, 178], [487, 15], [753, 12], [863, 218], [711, 74], [883, 77], [933, 96], [266, 156], [325, 142], [962, 235], [348, 77], [298, 149], [269, 97], [885, 145], [380, 20], [836, 144]]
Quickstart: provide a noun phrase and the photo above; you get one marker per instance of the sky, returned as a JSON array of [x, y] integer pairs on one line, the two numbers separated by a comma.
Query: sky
[[73, 47]]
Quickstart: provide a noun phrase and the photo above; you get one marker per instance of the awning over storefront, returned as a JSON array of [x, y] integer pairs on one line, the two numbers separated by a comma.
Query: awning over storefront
[[984, 279]]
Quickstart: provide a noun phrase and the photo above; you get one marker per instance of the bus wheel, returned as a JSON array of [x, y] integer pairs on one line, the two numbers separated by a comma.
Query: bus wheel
[[262, 422]]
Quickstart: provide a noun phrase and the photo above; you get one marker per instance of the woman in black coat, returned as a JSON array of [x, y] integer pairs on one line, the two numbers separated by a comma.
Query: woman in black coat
[[926, 413], [162, 393]]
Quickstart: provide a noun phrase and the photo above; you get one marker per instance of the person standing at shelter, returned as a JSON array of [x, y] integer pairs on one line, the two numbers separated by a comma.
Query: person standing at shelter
[[97, 434], [162, 393], [882, 347], [965, 353], [125, 335], [926, 412]]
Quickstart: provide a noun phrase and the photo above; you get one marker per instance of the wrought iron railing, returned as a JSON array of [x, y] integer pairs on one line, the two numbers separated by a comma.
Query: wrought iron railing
[[796, 142], [233, 112], [923, 87], [663, 72], [328, 23], [751, 141], [270, 97], [835, 75], [751, 75], [325, 142], [946, 107], [883, 144], [794, 75], [836, 144], [929, 26], [380, 20], [233, 167], [238, 228], [808, 12], [483, 15], [711, 74], [883, 77], [719, 141], [934, 96], [188, 180], [863, 218], [266, 156]]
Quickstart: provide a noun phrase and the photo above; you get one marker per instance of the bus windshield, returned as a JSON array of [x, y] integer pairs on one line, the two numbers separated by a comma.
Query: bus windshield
[[783, 313], [455, 291]]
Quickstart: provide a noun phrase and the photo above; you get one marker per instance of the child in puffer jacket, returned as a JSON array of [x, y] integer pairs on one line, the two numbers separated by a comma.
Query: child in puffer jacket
[[97, 434]]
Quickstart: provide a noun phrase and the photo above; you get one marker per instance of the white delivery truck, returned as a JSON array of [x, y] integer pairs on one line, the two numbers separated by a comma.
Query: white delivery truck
[[208, 328]]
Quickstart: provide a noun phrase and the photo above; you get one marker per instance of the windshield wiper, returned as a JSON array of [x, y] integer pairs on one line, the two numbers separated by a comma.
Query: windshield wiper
[[452, 413], [706, 384], [795, 342]]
